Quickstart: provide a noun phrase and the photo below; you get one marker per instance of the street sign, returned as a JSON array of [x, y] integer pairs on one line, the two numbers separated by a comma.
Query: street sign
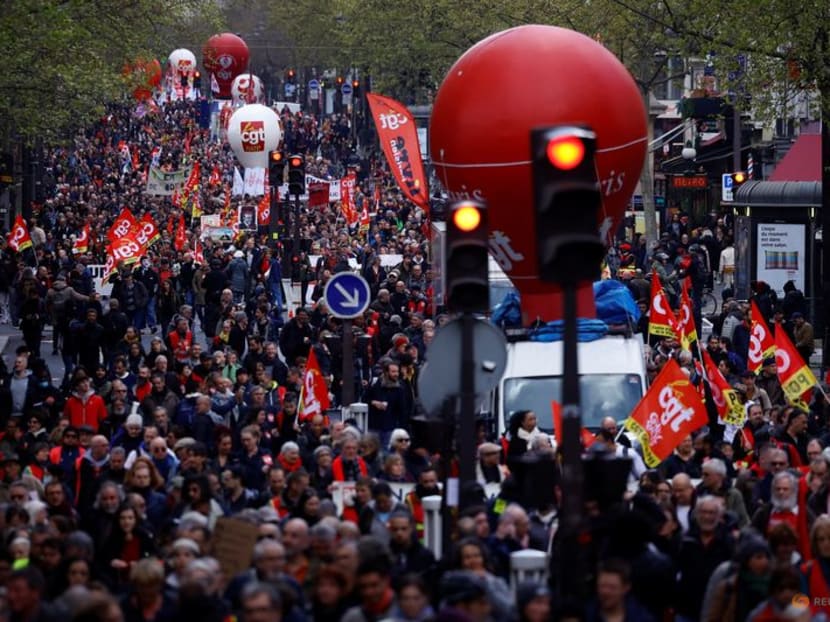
[[314, 89], [440, 377], [726, 187], [346, 89], [347, 295]]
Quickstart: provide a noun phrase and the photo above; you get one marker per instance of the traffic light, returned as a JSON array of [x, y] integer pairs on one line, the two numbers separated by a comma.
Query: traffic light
[[339, 80], [296, 175], [197, 80], [289, 75], [355, 86], [738, 180], [276, 166], [467, 287], [567, 202]]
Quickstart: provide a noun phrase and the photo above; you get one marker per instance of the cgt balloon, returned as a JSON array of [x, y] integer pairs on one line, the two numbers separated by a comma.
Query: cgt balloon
[[247, 89], [501, 88], [254, 131], [225, 56], [181, 62]]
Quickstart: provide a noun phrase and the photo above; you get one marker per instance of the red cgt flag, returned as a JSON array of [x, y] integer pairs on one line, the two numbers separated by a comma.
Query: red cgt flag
[[398, 136], [81, 244], [19, 238], [728, 402], [795, 375], [125, 249], [314, 395], [668, 413], [124, 224], [263, 210], [146, 232], [761, 344], [181, 234], [660, 321]]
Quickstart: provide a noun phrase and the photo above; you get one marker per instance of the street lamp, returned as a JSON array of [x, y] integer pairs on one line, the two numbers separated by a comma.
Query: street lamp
[[689, 152]]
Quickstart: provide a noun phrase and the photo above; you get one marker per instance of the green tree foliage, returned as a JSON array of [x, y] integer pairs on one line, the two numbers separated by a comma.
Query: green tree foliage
[[63, 59]]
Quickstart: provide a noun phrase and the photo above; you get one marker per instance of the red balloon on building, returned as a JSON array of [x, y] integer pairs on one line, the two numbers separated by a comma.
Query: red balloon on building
[[225, 56], [142, 76], [500, 89]]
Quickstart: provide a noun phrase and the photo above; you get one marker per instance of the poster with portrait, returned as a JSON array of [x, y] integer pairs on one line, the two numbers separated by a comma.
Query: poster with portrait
[[247, 218]]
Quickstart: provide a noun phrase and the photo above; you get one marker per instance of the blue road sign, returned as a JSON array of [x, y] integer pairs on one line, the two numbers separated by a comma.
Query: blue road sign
[[313, 85], [347, 295], [346, 89]]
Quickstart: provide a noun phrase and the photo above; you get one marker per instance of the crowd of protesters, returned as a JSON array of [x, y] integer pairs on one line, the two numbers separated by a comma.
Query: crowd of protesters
[[117, 468]]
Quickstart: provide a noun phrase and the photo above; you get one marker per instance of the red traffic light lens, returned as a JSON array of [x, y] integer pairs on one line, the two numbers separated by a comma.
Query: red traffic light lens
[[466, 218], [566, 152], [739, 178], [296, 161]]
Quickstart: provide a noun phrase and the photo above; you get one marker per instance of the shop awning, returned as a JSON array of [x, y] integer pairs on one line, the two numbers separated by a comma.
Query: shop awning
[[802, 162], [775, 193]]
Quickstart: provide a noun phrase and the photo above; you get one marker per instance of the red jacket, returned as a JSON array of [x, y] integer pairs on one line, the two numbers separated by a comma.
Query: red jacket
[[90, 412], [337, 468], [180, 345]]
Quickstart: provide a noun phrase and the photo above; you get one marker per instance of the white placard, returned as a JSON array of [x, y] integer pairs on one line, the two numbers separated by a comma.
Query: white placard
[[781, 255]]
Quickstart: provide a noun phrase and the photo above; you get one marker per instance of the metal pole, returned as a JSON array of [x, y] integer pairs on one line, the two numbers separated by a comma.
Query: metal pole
[[736, 138], [467, 416], [347, 390], [572, 575]]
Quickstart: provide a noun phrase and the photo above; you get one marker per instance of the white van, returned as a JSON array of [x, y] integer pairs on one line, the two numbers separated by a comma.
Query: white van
[[612, 380]]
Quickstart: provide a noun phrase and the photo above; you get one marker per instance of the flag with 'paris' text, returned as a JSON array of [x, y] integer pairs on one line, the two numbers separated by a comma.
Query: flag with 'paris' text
[[398, 136], [314, 394], [668, 413], [660, 321]]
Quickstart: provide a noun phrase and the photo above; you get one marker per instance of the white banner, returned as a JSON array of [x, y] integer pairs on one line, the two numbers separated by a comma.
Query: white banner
[[342, 493], [238, 184], [161, 183], [210, 220], [98, 271], [254, 185], [386, 261]]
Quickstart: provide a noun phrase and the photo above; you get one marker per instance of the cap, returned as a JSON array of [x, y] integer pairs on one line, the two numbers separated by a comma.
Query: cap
[[183, 443], [488, 448], [770, 360], [747, 373]]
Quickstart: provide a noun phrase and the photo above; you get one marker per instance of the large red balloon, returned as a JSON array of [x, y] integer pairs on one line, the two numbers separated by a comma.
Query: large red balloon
[[225, 56], [500, 89], [143, 76]]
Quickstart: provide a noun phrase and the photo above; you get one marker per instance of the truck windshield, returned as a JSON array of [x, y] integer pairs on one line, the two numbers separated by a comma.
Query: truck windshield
[[603, 395]]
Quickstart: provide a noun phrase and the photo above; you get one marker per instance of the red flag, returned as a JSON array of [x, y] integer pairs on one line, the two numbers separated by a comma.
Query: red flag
[[198, 253], [586, 436], [181, 234], [263, 210], [215, 176], [81, 244], [124, 249], [124, 223], [19, 238], [187, 140], [398, 136], [761, 344], [347, 205], [795, 375], [660, 320], [314, 395], [318, 194], [685, 324], [728, 402], [668, 413], [146, 232]]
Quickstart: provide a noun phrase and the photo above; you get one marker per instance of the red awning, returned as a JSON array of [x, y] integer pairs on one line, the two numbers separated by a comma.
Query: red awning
[[802, 162]]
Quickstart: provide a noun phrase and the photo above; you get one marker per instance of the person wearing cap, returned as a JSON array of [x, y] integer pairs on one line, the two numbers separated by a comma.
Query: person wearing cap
[[489, 469], [238, 274], [752, 392], [67, 454], [463, 597], [769, 382]]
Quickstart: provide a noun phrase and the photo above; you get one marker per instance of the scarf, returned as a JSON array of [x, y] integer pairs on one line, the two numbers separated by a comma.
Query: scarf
[[379, 608]]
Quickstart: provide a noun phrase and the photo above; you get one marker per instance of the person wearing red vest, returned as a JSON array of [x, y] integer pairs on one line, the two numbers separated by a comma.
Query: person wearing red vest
[[427, 486], [67, 454], [84, 407], [348, 466], [180, 341]]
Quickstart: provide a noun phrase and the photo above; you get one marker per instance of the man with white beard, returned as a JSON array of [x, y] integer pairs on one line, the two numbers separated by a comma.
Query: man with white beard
[[783, 507]]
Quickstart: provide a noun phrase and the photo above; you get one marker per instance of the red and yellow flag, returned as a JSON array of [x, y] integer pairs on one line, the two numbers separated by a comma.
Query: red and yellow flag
[[660, 322], [727, 400], [124, 224], [761, 344], [81, 244], [19, 238], [314, 394], [686, 329], [795, 375], [668, 413], [146, 232]]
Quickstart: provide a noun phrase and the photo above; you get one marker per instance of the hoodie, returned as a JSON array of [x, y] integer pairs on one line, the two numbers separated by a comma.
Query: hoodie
[[88, 409]]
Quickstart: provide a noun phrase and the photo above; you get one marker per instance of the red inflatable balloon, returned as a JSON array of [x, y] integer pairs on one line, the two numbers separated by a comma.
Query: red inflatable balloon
[[225, 56], [143, 76], [500, 89]]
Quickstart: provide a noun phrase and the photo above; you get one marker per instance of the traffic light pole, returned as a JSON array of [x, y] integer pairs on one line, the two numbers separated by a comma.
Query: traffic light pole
[[467, 415]]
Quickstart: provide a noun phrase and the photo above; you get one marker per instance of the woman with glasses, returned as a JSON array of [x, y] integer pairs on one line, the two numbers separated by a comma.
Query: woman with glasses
[[415, 459]]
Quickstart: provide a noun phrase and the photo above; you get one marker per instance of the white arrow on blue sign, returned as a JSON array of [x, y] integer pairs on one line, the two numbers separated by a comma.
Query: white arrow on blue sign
[[346, 89], [347, 295]]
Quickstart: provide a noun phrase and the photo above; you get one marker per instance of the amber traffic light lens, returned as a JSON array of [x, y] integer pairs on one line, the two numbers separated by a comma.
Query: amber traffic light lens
[[566, 153], [466, 218]]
